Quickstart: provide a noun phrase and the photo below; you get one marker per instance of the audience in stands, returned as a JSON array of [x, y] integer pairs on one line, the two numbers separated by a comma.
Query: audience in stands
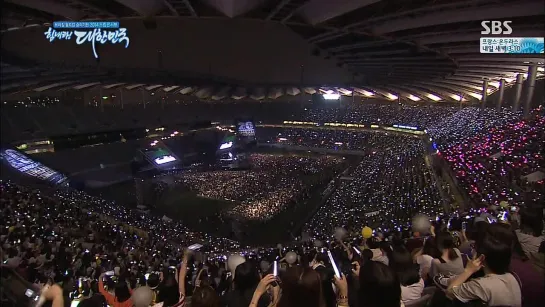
[[69, 246]]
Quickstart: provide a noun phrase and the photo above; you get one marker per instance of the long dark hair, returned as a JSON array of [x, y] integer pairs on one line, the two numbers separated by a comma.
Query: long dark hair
[[205, 297], [245, 282], [122, 292], [301, 287], [168, 291], [430, 248], [403, 266], [246, 277], [379, 286]]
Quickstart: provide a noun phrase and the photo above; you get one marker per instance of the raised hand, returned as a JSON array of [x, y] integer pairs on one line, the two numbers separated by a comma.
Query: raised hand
[[475, 264], [342, 285], [264, 283]]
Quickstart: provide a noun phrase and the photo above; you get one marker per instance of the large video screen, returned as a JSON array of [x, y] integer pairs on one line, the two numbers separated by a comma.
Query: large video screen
[[246, 129], [24, 164], [160, 155], [228, 142]]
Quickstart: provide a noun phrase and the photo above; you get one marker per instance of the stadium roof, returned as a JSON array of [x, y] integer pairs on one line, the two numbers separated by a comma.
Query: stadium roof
[[422, 50]]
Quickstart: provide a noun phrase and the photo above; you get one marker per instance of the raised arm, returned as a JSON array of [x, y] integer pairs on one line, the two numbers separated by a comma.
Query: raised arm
[[183, 273], [109, 298], [472, 266], [261, 289], [54, 295]]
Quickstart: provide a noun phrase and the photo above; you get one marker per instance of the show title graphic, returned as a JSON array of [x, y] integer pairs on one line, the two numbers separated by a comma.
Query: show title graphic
[[88, 32], [507, 43]]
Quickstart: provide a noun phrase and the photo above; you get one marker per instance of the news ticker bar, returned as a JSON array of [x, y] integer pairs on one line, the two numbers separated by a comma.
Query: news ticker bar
[[514, 45], [86, 25]]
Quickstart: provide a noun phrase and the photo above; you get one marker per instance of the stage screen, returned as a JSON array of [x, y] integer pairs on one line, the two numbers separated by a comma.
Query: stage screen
[[160, 155], [228, 142], [246, 129]]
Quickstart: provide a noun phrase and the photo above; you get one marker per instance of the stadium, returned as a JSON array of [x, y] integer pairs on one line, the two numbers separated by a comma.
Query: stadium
[[325, 152]]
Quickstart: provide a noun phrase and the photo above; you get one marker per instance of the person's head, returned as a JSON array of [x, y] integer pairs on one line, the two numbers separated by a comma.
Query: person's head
[[379, 286], [169, 293], [122, 291], [430, 248], [366, 255], [373, 243], [246, 276], [142, 296], [403, 266], [531, 221], [496, 246], [301, 287], [445, 244], [205, 297], [153, 280], [455, 224]]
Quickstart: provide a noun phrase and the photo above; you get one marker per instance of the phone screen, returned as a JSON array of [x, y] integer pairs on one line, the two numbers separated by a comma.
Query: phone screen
[[333, 264], [29, 293], [110, 273], [275, 268], [195, 246], [513, 209]]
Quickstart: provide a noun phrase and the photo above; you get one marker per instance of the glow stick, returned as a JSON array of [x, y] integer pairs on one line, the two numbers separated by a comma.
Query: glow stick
[[334, 264]]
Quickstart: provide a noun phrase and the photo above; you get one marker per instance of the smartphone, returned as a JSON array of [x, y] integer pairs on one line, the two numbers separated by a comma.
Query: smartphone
[[513, 209], [195, 246], [464, 226], [146, 276], [29, 293], [333, 264], [110, 273]]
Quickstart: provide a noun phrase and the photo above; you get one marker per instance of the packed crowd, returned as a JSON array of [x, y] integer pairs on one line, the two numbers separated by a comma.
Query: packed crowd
[[386, 189], [493, 165], [69, 254], [338, 139], [69, 246], [390, 114], [456, 127], [274, 183]]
